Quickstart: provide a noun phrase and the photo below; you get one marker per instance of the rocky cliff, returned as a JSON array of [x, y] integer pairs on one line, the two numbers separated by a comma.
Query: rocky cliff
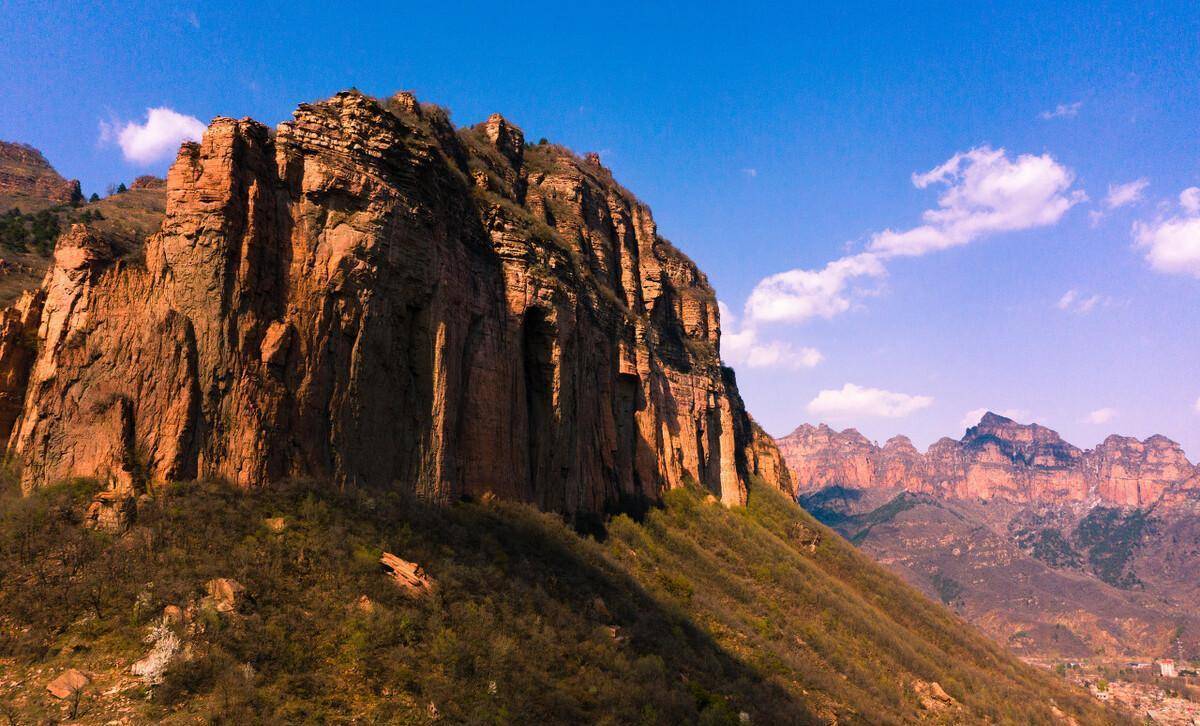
[[996, 459], [24, 172], [369, 295]]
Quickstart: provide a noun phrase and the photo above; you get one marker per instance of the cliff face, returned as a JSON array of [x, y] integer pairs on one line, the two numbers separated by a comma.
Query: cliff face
[[996, 459], [819, 457], [367, 294], [24, 172]]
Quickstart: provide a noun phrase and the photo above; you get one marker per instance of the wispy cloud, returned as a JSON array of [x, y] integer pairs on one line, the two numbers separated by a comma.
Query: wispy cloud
[[1172, 241], [1120, 195], [750, 172], [1073, 301], [156, 139], [986, 192], [799, 295], [851, 401], [1100, 416], [742, 346], [1062, 110]]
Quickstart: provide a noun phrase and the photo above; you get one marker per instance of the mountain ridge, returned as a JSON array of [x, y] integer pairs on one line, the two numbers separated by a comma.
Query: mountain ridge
[[997, 457]]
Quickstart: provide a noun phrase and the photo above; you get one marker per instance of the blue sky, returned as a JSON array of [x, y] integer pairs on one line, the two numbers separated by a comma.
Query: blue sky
[[769, 141]]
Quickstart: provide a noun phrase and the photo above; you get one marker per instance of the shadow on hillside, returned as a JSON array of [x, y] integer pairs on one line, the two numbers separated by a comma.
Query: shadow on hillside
[[527, 622], [540, 554]]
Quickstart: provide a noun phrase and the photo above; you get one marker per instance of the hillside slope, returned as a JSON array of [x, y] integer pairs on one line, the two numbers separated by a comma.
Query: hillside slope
[[697, 614]]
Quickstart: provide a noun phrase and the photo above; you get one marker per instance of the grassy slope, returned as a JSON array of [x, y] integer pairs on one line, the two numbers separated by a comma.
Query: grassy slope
[[694, 615]]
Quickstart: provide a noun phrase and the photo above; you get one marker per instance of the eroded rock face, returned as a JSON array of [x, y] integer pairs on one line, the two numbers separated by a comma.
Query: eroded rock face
[[25, 172], [368, 295], [18, 347], [996, 459], [819, 457], [1135, 473]]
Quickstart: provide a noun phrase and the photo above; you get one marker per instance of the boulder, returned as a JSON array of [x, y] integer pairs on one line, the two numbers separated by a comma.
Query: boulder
[[111, 511], [225, 595], [407, 575], [933, 697], [67, 683]]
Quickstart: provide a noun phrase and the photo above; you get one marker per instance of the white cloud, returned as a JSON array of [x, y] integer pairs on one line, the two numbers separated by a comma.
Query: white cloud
[[1100, 416], [156, 139], [986, 193], [1120, 195], [798, 295], [750, 172], [1062, 110], [1189, 199], [741, 346], [777, 354], [1073, 301], [1172, 243], [853, 401], [971, 418]]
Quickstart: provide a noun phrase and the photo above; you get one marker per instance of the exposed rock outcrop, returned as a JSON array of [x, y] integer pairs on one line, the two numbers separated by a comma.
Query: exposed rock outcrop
[[24, 172], [147, 181], [225, 595], [68, 683], [1135, 473], [996, 459], [368, 295], [408, 575], [18, 347]]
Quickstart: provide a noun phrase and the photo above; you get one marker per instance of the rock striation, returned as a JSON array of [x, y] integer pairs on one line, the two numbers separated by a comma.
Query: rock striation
[[368, 294], [24, 172], [996, 459]]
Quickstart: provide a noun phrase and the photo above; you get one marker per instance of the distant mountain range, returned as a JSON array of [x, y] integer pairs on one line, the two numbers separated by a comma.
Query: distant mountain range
[[996, 459], [1051, 549]]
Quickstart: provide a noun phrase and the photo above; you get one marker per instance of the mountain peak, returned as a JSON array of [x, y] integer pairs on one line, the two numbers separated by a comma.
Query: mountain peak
[[994, 419], [25, 173]]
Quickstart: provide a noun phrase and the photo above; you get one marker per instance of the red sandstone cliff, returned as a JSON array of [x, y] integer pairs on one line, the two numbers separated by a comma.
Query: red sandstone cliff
[[998, 458], [367, 294], [24, 172]]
